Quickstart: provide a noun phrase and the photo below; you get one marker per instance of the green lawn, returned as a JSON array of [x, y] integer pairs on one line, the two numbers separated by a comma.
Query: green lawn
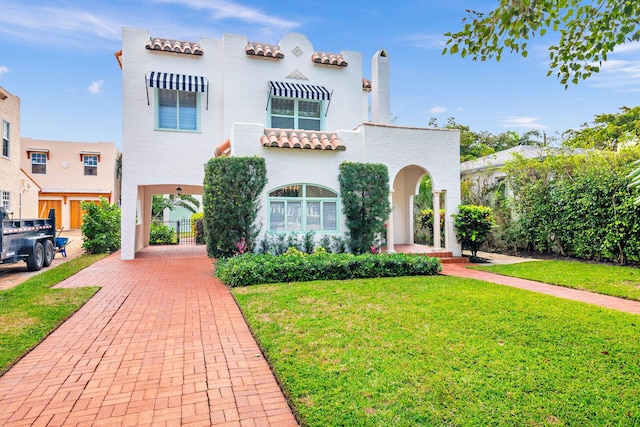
[[446, 351], [32, 310], [611, 280]]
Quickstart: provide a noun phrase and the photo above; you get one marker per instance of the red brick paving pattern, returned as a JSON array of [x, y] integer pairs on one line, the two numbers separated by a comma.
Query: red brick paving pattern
[[162, 343], [543, 288]]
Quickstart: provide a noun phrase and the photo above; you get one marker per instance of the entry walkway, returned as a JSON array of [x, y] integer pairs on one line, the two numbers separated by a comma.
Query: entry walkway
[[543, 288], [162, 343]]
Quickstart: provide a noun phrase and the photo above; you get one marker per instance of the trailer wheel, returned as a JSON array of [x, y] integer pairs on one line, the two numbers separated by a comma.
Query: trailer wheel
[[49, 252], [35, 261]]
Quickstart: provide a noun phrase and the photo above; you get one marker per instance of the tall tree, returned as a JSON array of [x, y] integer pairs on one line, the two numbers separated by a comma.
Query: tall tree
[[589, 31], [609, 131]]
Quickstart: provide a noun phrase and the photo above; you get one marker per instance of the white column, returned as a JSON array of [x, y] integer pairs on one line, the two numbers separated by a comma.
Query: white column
[[436, 219], [390, 248], [411, 221]]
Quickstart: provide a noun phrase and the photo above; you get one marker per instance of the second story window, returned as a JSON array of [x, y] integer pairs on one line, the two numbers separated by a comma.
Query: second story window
[[90, 165], [6, 142], [288, 113], [38, 163], [177, 110], [297, 105], [5, 201], [177, 100]]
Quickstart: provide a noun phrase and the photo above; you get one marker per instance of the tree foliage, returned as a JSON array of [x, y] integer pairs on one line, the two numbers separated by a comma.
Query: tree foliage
[[100, 227], [579, 205], [609, 131], [478, 144], [589, 32], [160, 202], [232, 187], [364, 188]]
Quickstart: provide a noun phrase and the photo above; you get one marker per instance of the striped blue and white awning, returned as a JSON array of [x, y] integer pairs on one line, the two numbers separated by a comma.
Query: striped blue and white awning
[[299, 90], [181, 82]]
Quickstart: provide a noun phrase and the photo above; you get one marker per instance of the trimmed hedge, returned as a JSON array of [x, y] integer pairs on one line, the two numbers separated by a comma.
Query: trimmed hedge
[[250, 269]]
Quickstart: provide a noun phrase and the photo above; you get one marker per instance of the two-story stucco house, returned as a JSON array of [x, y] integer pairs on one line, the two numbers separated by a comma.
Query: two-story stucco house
[[69, 173], [304, 110], [18, 191]]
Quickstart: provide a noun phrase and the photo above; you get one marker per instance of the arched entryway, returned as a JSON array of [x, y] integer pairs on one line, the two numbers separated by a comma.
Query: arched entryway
[[400, 227]]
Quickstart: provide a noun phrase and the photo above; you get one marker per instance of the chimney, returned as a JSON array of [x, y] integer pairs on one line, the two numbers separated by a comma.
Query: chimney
[[380, 112]]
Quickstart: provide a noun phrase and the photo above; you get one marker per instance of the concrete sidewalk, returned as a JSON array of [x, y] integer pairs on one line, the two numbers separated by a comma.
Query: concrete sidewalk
[[162, 343]]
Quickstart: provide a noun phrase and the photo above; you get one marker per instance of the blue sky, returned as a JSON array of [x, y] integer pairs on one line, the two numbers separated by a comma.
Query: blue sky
[[57, 56]]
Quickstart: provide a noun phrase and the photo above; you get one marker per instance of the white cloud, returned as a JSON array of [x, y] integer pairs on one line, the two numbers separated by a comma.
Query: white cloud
[[427, 41], [522, 122], [437, 110], [3, 69], [224, 9], [95, 88], [35, 23], [460, 109]]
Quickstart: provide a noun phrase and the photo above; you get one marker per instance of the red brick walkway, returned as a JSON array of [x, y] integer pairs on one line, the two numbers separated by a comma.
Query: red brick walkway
[[543, 288], [162, 343]]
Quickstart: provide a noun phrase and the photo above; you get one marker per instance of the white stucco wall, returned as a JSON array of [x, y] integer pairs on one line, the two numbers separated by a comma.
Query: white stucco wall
[[10, 166]]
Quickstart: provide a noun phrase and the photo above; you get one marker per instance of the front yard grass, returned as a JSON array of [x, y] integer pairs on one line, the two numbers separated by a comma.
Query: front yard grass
[[617, 281], [32, 310], [445, 351]]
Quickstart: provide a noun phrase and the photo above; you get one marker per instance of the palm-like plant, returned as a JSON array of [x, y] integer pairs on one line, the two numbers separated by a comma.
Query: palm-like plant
[[161, 202]]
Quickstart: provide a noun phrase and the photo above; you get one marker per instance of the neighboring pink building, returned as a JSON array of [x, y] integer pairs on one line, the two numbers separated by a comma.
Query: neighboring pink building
[[70, 173], [18, 192]]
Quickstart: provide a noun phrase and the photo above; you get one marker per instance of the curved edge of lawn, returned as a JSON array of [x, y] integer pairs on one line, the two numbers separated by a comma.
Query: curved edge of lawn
[[612, 280], [33, 309]]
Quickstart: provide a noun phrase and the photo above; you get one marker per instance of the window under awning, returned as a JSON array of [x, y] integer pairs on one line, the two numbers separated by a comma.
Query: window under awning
[[174, 81], [299, 90]]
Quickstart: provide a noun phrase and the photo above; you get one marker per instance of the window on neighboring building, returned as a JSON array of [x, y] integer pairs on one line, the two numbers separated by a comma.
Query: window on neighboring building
[[293, 113], [38, 163], [303, 207], [90, 165], [6, 143], [6, 200], [177, 110]]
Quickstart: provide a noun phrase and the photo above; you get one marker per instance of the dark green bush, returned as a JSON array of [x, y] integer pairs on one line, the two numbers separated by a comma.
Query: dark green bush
[[197, 227], [364, 188], [160, 234], [250, 269], [473, 224], [232, 187], [100, 227]]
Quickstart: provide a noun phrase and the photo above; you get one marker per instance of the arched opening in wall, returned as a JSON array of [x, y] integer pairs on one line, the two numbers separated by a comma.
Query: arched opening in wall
[[171, 214], [413, 215]]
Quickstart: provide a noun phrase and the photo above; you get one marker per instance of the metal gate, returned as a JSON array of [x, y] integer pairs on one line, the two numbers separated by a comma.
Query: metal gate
[[183, 231]]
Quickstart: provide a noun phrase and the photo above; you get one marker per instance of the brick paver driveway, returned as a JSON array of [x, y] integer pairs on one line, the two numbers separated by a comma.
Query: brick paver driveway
[[162, 343]]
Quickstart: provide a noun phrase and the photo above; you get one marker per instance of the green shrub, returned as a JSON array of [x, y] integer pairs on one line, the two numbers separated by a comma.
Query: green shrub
[[232, 187], [473, 224], [250, 269], [100, 227], [364, 188], [160, 234]]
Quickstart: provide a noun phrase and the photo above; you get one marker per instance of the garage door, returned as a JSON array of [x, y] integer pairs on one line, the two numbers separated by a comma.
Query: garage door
[[45, 205], [76, 212]]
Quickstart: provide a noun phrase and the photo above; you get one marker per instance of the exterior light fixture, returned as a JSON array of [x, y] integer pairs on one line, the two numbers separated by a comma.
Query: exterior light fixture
[[179, 191]]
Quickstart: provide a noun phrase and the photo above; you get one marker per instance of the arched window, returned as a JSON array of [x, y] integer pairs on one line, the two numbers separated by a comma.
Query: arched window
[[302, 208]]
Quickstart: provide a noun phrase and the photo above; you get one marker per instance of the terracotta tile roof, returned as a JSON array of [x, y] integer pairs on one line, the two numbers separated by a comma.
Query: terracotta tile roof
[[366, 84], [177, 46], [223, 149], [327, 58], [310, 140], [118, 56], [264, 50]]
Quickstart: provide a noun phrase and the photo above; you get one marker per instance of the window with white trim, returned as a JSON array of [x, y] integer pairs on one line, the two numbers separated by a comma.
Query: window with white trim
[[90, 165], [39, 163], [5, 201], [302, 208], [177, 110], [6, 142], [294, 113]]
